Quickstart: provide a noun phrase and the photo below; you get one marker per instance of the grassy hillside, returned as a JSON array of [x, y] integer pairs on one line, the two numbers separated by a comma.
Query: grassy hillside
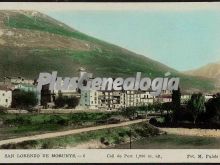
[[32, 42], [211, 70]]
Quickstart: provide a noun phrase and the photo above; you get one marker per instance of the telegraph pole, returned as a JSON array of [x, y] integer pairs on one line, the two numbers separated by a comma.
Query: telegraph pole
[[130, 138]]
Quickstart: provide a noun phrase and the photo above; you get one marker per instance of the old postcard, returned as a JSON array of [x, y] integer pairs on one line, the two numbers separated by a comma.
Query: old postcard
[[109, 82]]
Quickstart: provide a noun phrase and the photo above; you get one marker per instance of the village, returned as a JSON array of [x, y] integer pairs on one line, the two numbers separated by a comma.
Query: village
[[87, 99]]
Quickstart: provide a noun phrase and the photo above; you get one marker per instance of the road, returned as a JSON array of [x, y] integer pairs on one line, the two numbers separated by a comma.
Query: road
[[69, 132]]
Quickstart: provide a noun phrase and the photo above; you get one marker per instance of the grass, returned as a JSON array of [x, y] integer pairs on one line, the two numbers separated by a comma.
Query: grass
[[27, 124], [46, 24], [29, 129], [110, 61], [175, 142], [29, 63], [111, 136]]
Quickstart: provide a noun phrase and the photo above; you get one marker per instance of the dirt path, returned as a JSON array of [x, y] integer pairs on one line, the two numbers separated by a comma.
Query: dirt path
[[192, 132], [69, 132]]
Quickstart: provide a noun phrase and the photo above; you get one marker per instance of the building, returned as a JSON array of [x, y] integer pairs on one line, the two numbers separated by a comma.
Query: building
[[146, 98], [112, 100], [89, 99], [117, 99], [165, 96], [208, 96], [105, 100], [17, 80], [185, 98], [129, 98], [5, 96]]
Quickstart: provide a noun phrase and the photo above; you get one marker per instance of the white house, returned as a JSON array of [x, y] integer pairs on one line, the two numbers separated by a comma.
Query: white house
[[89, 99], [17, 80], [185, 98], [5, 97], [208, 96], [146, 98]]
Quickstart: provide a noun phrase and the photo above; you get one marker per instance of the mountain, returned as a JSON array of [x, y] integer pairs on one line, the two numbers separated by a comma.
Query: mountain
[[32, 42], [211, 70]]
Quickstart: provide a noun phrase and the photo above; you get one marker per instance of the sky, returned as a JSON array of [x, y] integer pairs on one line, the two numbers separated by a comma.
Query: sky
[[184, 40], [181, 35]]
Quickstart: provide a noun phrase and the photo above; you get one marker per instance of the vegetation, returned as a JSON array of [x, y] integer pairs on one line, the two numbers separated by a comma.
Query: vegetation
[[26, 124], [108, 137], [196, 105], [62, 101], [176, 96], [171, 141], [194, 113], [129, 112], [46, 24], [213, 109], [103, 59], [24, 99]]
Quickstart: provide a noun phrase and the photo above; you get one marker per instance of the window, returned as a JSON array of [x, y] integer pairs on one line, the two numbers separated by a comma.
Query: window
[[6, 100], [3, 94]]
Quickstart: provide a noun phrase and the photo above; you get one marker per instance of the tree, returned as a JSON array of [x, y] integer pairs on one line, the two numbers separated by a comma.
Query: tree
[[176, 98], [196, 105], [168, 106], [158, 107], [143, 108], [150, 107], [176, 101], [72, 101], [60, 101], [24, 99], [129, 112], [213, 107]]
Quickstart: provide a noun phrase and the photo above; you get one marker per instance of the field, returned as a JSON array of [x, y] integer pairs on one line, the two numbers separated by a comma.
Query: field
[[171, 141], [30, 124], [143, 135], [106, 137]]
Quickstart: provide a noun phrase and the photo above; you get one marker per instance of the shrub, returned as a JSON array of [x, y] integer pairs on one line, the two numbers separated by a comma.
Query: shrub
[[18, 120], [118, 140], [48, 145], [121, 134], [2, 110], [153, 121], [23, 145], [28, 144], [56, 119], [102, 140], [146, 130], [62, 101], [24, 99], [106, 143], [72, 102], [8, 146]]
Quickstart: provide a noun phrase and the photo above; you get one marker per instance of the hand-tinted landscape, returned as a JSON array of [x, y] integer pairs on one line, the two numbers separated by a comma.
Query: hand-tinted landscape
[[32, 42]]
